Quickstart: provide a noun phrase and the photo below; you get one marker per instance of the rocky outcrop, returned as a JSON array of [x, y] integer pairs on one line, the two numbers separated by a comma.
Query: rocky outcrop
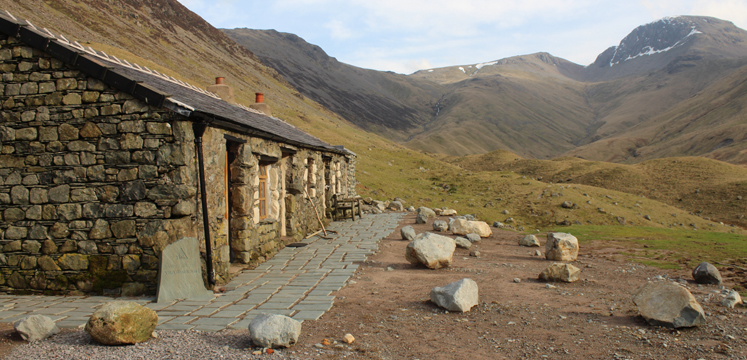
[[706, 273], [561, 247], [432, 250], [121, 323], [274, 331], [464, 227], [560, 272], [667, 304], [459, 296]]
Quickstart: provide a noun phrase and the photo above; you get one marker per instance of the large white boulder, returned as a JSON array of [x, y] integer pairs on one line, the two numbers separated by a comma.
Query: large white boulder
[[122, 323], [560, 272], [273, 330], [448, 212], [561, 247], [667, 304], [459, 296], [35, 327], [464, 227], [432, 250]]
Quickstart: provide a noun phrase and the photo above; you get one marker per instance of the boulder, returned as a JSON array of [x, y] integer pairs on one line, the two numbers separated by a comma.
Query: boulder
[[458, 296], [464, 227], [421, 218], [379, 205], [427, 211], [706, 273], [121, 323], [667, 304], [567, 205], [407, 232], [529, 240], [432, 250], [498, 224], [561, 247], [440, 225], [448, 212], [463, 242], [560, 272], [396, 206], [35, 327], [411, 208], [273, 330], [472, 237], [732, 299]]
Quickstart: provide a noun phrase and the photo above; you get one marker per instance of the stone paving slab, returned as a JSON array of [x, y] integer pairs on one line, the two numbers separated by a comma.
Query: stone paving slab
[[296, 282]]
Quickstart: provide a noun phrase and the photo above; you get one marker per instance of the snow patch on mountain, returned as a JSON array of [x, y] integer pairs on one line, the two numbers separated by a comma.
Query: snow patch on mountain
[[654, 38]]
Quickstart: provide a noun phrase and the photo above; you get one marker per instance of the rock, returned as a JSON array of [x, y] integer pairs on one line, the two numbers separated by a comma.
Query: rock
[[121, 322], [567, 205], [561, 247], [529, 240], [448, 212], [421, 218], [35, 327], [464, 227], [440, 225], [408, 233], [432, 250], [459, 296], [498, 224], [472, 237], [517, 280], [706, 273], [732, 299], [427, 211], [396, 206], [537, 253], [273, 330], [667, 304], [348, 338], [462, 242], [411, 209], [474, 253], [560, 272]]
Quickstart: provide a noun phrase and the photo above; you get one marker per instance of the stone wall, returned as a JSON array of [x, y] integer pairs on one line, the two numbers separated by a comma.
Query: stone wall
[[93, 184]]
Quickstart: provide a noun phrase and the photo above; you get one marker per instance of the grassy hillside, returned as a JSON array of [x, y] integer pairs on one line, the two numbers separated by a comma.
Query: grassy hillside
[[708, 188]]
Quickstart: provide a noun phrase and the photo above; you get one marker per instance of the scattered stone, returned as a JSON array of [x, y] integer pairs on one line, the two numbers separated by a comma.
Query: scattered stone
[[472, 237], [426, 211], [396, 206], [35, 327], [647, 217], [474, 253], [432, 250], [537, 253], [448, 212], [517, 280], [459, 296], [561, 247], [706, 273], [421, 218], [407, 233], [440, 225], [498, 224], [550, 286], [567, 205], [529, 240], [411, 208], [504, 212], [273, 330], [560, 272], [121, 323], [462, 242], [667, 304], [348, 338], [732, 299], [464, 227]]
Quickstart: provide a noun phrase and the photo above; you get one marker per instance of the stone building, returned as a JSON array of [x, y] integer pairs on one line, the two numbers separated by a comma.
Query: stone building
[[100, 167]]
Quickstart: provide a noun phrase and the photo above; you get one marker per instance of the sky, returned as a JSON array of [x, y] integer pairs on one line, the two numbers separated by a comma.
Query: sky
[[409, 35]]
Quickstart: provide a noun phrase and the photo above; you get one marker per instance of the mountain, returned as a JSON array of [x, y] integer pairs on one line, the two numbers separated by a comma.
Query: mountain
[[539, 105]]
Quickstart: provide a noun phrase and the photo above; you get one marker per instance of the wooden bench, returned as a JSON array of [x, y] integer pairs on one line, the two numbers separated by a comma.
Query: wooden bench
[[343, 208]]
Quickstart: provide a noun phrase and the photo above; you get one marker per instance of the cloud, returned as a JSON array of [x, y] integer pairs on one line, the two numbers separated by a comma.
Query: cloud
[[338, 30]]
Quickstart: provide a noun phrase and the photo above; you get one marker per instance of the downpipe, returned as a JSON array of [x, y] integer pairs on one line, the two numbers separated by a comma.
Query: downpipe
[[199, 129]]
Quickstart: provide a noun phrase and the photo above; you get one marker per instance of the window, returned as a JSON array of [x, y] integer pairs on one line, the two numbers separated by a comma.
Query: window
[[262, 191]]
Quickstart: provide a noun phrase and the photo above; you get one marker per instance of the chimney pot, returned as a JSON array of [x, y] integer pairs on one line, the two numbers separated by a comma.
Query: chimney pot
[[220, 80], [259, 98]]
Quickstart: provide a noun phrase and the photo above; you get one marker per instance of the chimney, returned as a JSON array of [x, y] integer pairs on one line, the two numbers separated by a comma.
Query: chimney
[[221, 89], [260, 105]]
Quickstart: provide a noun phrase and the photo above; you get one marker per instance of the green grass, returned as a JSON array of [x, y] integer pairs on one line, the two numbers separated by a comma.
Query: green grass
[[666, 248]]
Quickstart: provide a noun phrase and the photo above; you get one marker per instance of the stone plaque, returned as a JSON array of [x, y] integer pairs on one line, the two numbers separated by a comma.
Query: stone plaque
[[180, 273]]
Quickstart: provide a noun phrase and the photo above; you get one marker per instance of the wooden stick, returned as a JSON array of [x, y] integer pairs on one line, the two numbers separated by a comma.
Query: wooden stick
[[315, 211], [310, 235]]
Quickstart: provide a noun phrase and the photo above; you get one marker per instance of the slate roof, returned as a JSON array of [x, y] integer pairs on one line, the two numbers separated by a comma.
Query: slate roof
[[160, 90]]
